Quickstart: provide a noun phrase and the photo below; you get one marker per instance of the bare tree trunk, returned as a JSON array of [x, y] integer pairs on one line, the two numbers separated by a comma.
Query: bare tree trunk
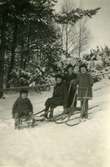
[[22, 52], [79, 49], [28, 42], [14, 44], [66, 40], [62, 31], [2, 53]]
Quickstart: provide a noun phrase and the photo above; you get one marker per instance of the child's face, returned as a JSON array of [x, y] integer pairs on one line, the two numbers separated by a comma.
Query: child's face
[[70, 70], [76, 69], [83, 70], [24, 95], [58, 80]]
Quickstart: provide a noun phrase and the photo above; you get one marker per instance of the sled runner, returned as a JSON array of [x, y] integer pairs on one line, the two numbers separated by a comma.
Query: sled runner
[[63, 118], [28, 121], [73, 122], [76, 119], [24, 122]]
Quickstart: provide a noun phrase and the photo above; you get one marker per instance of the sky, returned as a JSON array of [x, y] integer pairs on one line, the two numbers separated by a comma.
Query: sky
[[99, 25]]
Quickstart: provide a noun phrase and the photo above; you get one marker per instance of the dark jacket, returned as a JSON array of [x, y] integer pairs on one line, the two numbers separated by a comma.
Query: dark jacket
[[68, 78], [22, 107], [85, 83], [58, 97], [70, 89], [59, 90]]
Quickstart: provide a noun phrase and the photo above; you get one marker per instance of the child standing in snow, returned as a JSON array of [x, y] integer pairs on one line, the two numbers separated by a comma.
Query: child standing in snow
[[70, 79], [22, 107], [85, 83]]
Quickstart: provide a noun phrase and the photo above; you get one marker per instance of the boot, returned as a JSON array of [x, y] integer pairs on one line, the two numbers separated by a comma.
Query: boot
[[51, 114], [46, 114], [46, 111]]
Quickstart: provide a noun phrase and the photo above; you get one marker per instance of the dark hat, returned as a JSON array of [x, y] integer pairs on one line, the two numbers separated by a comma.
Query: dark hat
[[23, 91], [58, 76], [83, 65], [69, 66]]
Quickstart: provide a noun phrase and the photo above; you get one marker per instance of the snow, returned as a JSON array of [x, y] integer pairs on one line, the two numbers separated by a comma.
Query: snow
[[52, 145]]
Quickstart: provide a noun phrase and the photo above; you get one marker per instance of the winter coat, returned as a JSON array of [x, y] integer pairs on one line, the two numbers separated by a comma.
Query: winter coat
[[22, 107], [71, 88], [68, 78], [85, 83], [58, 97]]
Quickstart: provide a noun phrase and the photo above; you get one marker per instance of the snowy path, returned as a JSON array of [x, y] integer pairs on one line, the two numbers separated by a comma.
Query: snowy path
[[51, 145]]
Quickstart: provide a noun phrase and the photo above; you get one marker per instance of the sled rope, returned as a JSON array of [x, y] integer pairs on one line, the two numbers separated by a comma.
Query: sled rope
[[39, 112]]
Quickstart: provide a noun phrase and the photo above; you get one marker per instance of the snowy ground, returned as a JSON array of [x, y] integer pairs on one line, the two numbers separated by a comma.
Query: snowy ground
[[52, 145]]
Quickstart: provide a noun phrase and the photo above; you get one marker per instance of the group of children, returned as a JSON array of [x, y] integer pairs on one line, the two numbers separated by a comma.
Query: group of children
[[75, 84]]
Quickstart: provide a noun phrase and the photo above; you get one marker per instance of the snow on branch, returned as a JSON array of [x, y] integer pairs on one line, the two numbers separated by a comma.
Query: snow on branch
[[74, 15]]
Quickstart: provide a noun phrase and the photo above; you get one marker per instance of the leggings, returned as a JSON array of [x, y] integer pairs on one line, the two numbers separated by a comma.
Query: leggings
[[84, 108]]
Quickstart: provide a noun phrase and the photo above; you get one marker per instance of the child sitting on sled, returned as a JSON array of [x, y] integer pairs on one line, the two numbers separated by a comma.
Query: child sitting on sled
[[85, 83], [57, 99], [22, 107]]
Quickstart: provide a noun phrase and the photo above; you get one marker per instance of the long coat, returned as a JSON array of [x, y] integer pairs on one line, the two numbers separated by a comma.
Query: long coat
[[58, 97], [22, 107], [85, 83], [71, 89]]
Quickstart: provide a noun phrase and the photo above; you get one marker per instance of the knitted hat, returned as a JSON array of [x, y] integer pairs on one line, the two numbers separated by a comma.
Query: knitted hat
[[23, 91]]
